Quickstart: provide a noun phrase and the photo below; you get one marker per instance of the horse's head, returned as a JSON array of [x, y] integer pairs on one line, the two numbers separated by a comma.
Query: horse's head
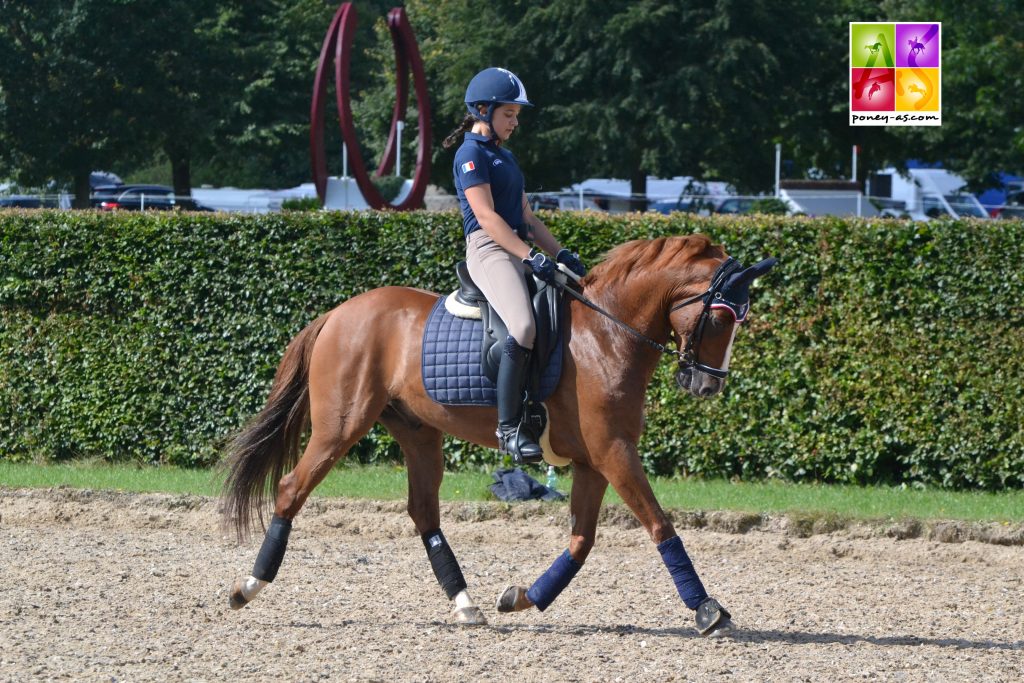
[[704, 362]]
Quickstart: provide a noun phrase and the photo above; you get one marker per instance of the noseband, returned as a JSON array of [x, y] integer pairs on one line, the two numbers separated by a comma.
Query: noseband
[[711, 298]]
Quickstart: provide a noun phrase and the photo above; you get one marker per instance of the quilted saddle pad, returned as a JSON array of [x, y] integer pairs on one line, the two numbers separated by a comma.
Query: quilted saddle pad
[[451, 362]]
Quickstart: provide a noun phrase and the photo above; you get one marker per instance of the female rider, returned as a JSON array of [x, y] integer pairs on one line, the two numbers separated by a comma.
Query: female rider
[[497, 222]]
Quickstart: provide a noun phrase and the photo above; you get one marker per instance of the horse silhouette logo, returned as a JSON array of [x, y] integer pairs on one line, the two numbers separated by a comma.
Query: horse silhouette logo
[[916, 48], [873, 48]]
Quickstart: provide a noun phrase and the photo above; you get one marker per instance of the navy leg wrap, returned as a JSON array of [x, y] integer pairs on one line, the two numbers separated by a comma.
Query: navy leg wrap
[[442, 560], [272, 550], [552, 582], [691, 590]]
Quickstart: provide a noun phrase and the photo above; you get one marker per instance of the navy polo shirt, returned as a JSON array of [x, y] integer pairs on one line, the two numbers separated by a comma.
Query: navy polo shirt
[[478, 161]]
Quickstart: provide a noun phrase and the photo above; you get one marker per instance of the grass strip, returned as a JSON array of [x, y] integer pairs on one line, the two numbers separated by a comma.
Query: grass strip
[[390, 483]]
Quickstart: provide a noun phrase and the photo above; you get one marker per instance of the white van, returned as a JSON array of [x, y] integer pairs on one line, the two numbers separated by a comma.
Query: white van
[[923, 194]]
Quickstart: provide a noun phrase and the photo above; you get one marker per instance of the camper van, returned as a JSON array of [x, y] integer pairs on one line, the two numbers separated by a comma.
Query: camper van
[[923, 194]]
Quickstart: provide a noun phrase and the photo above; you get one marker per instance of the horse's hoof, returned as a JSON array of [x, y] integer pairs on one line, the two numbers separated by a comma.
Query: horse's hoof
[[513, 599], [712, 619], [237, 599], [469, 616], [723, 628], [244, 590]]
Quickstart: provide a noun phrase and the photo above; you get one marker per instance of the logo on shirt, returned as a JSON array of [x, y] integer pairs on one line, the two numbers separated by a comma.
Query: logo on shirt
[[496, 162], [468, 166]]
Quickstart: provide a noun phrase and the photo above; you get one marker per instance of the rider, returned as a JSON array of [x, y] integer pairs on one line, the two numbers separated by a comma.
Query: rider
[[497, 223]]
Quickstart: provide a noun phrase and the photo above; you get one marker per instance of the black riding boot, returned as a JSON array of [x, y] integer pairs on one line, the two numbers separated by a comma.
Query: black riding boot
[[514, 438]]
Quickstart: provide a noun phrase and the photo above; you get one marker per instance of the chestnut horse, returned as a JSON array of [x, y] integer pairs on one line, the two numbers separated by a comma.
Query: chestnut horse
[[360, 364]]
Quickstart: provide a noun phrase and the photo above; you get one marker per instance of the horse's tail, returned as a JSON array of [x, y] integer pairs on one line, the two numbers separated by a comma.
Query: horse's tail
[[268, 446]]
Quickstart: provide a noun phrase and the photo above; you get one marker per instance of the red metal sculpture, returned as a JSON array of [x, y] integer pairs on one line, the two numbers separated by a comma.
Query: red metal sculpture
[[407, 55]]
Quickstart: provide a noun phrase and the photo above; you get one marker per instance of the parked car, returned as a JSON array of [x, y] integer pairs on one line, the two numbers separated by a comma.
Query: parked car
[[735, 205], [565, 201], [667, 206], [1013, 209], [142, 198], [20, 202]]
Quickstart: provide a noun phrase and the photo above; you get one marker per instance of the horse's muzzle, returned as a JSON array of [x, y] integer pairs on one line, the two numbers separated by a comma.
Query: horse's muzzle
[[700, 384]]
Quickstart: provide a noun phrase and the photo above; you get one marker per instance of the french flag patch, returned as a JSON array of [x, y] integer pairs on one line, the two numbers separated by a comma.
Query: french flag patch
[[468, 166]]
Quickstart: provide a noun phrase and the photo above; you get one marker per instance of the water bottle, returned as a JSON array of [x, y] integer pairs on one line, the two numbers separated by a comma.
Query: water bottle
[[552, 480]]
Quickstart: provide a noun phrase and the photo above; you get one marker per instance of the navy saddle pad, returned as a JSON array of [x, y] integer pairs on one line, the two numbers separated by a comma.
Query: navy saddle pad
[[451, 369]]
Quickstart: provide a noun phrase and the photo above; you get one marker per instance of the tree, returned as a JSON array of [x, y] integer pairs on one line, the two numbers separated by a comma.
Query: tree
[[813, 126], [628, 89], [265, 140], [982, 130], [65, 107], [191, 58]]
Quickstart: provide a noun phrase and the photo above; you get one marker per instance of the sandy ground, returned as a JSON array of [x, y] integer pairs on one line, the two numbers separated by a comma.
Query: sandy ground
[[102, 587]]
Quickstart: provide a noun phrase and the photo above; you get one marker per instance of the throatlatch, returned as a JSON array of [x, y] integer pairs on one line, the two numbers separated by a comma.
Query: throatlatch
[[272, 550], [442, 560]]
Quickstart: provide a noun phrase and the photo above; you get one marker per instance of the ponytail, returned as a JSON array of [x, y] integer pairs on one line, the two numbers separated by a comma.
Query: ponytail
[[465, 126]]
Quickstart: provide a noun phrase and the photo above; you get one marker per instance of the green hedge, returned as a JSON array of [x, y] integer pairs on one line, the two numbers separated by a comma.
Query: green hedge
[[878, 351]]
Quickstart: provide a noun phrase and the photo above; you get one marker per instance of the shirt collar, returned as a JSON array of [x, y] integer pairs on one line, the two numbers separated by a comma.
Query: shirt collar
[[479, 138]]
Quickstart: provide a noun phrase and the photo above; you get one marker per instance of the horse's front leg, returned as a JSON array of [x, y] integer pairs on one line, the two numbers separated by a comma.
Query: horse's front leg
[[424, 460], [623, 469], [588, 487]]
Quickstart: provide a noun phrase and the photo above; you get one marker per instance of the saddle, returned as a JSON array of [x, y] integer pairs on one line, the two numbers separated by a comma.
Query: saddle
[[462, 347], [468, 301]]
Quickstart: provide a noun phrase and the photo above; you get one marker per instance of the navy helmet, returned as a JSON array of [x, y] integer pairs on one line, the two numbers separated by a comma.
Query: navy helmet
[[492, 87]]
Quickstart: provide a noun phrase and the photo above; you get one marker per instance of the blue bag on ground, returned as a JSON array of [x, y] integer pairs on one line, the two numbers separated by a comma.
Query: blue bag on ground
[[513, 484]]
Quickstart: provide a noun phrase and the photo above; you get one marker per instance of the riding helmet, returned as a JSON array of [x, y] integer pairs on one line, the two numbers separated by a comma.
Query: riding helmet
[[492, 87]]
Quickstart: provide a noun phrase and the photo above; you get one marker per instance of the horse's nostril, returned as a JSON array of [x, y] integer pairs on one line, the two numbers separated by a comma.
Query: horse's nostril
[[707, 391]]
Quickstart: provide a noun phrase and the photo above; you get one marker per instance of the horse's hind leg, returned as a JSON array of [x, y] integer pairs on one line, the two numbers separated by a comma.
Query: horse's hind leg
[[421, 445], [336, 428]]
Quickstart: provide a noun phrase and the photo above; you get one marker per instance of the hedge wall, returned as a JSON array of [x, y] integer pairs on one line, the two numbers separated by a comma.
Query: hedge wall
[[878, 352]]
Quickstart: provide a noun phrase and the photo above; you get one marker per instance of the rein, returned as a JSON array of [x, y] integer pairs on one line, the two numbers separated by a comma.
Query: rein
[[686, 357]]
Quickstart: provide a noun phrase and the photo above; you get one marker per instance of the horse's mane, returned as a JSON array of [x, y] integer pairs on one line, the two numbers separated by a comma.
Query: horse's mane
[[641, 257]]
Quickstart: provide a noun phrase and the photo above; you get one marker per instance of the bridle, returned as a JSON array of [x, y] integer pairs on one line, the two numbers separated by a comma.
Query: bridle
[[711, 298]]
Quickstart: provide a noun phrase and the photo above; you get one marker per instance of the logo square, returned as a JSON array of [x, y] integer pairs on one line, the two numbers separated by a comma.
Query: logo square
[[917, 89], [917, 45], [872, 89], [872, 45]]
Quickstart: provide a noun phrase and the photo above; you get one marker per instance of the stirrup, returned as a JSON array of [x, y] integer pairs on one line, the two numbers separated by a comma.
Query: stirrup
[[514, 441]]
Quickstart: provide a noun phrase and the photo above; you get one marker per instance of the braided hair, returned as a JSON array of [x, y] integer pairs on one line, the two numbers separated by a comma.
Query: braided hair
[[455, 135]]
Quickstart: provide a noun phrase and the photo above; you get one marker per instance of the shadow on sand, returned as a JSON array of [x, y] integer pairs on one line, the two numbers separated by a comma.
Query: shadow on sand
[[746, 635]]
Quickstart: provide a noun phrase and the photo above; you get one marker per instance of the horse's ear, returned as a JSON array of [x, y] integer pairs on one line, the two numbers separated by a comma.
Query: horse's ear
[[759, 269], [743, 278]]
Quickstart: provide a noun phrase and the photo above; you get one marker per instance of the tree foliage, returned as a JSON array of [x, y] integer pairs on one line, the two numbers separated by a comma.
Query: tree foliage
[[69, 104], [221, 88], [982, 130]]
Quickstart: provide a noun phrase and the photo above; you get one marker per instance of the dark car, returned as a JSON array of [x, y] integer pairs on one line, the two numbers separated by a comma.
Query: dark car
[[20, 202], [1013, 209], [142, 198], [735, 205], [667, 206]]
